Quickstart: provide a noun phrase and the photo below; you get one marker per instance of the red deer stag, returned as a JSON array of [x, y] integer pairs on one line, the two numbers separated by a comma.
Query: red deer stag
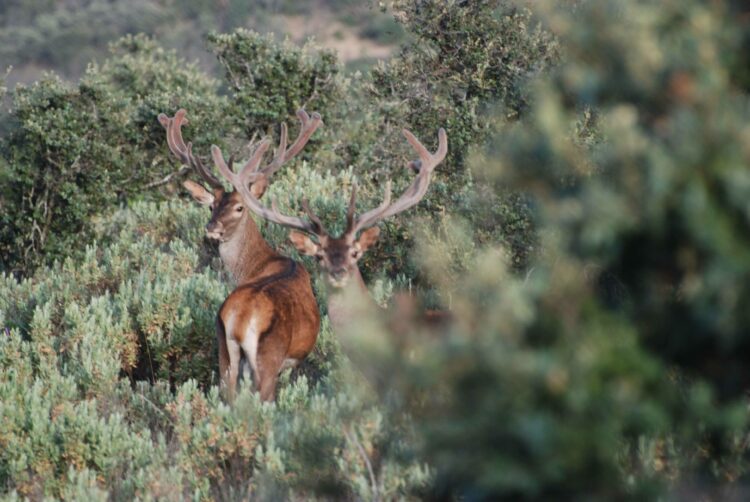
[[338, 256], [241, 246], [272, 316]]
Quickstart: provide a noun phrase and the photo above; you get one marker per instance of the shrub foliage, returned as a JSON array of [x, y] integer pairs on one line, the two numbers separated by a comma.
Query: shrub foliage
[[606, 363], [74, 151]]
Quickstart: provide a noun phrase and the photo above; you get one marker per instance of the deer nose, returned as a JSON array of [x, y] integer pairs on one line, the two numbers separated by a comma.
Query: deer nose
[[338, 274], [215, 230]]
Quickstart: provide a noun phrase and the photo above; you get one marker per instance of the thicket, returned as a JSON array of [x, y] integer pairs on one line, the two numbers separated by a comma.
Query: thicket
[[71, 152], [607, 364], [612, 368], [269, 81], [108, 386], [59, 133]]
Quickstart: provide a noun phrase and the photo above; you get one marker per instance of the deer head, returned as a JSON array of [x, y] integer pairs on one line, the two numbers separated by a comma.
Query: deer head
[[338, 256], [227, 207]]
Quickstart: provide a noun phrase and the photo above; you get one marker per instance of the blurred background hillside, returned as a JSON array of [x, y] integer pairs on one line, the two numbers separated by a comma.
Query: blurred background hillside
[[66, 35]]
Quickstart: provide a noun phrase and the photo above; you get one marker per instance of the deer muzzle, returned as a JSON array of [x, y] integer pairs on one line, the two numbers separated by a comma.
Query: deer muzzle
[[215, 230], [338, 278]]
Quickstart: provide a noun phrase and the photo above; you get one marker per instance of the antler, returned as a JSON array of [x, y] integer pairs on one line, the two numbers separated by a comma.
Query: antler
[[423, 167], [412, 195], [184, 152], [283, 154], [371, 217], [250, 173]]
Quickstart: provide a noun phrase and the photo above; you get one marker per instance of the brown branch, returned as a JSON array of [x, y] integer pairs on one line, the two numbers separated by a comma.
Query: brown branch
[[168, 177], [351, 437]]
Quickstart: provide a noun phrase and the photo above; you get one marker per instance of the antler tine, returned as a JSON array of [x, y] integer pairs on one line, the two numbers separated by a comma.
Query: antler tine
[[424, 155], [279, 158], [168, 123], [351, 208], [428, 162], [182, 151], [241, 182], [373, 216], [201, 169], [307, 128], [319, 228], [250, 170], [314, 227]]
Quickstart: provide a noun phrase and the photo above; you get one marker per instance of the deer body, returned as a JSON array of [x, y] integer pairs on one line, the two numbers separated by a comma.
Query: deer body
[[272, 316], [271, 320]]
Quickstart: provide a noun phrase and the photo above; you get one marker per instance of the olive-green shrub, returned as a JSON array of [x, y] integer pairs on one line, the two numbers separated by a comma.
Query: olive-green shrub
[[71, 152], [269, 81], [614, 367], [108, 385], [461, 59]]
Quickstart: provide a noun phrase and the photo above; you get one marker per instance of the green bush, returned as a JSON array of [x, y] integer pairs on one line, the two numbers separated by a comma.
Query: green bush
[[465, 57], [269, 81], [108, 384], [667, 215], [462, 59], [612, 369], [71, 152]]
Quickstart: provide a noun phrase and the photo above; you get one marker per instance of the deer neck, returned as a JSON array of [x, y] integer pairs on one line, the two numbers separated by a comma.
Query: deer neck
[[344, 303], [246, 254], [357, 281]]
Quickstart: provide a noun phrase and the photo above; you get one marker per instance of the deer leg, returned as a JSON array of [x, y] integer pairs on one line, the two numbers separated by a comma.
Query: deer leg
[[233, 348], [221, 338], [269, 376], [250, 348], [271, 358]]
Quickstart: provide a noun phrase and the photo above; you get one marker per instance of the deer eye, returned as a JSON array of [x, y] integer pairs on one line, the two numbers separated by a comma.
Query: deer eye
[[238, 209]]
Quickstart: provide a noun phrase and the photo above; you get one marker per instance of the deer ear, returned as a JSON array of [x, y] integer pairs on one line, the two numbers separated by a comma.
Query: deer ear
[[303, 243], [199, 193], [258, 188], [368, 238]]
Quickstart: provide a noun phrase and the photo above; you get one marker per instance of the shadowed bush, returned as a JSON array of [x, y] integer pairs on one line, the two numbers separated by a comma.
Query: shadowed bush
[[611, 368]]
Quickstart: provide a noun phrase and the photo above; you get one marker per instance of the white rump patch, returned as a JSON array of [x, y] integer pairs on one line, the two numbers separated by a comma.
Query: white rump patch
[[250, 344], [233, 348]]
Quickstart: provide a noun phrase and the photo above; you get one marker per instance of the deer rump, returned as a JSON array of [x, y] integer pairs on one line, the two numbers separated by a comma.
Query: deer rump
[[268, 322]]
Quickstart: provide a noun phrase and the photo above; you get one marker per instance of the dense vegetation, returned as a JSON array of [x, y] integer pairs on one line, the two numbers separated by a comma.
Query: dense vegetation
[[589, 233]]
